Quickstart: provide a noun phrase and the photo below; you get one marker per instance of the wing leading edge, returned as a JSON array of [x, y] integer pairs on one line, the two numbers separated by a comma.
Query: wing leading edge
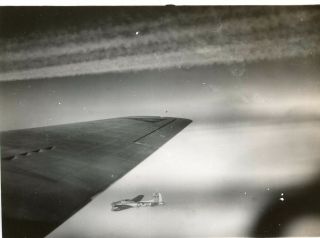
[[49, 173]]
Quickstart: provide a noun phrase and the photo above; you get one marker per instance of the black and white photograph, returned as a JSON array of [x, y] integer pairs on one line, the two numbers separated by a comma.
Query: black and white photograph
[[168, 121]]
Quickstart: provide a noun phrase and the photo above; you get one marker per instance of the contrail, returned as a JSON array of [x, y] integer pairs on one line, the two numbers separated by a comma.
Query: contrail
[[189, 38]]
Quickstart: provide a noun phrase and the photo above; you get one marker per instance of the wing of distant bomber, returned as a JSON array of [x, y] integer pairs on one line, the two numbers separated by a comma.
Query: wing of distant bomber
[[122, 207], [49, 173], [137, 198]]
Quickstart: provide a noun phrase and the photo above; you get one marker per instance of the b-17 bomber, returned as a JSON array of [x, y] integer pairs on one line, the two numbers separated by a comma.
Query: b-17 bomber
[[137, 202]]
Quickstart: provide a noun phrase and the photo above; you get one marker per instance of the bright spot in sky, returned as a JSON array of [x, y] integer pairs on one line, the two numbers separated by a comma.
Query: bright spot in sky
[[281, 199], [59, 103], [137, 32]]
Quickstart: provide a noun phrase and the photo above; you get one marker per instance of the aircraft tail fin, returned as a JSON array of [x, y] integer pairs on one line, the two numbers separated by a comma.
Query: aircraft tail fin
[[157, 198]]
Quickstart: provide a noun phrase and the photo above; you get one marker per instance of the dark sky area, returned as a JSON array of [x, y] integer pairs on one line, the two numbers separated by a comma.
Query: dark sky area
[[21, 21]]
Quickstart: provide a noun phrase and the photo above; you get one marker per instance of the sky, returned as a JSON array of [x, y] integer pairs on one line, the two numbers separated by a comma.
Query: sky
[[216, 181], [54, 42], [287, 89]]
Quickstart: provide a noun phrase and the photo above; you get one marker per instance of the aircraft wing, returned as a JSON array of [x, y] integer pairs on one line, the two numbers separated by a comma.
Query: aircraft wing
[[137, 198], [122, 207], [49, 173]]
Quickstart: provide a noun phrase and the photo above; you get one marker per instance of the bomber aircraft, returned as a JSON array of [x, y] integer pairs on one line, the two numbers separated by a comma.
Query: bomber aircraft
[[137, 202]]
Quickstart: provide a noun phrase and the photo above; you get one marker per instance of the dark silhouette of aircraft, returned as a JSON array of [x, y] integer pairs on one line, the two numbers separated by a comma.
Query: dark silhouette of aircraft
[[137, 202]]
